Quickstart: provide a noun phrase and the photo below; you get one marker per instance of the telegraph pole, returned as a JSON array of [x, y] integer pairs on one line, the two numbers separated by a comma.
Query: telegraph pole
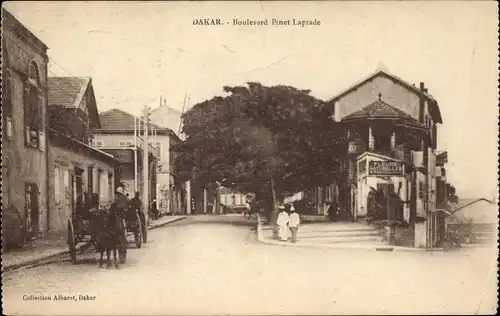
[[145, 170], [135, 154]]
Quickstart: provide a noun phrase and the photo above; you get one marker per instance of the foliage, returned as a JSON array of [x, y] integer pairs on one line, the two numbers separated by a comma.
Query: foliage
[[459, 234], [69, 122], [452, 193], [256, 134]]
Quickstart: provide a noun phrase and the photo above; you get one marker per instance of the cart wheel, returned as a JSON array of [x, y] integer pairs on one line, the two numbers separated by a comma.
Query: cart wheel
[[138, 232], [71, 242]]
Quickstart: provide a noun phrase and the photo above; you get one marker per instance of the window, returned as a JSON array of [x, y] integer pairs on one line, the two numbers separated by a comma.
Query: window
[[90, 177], [33, 109], [57, 187], [7, 104], [421, 190], [5, 184], [125, 143], [98, 143], [158, 150]]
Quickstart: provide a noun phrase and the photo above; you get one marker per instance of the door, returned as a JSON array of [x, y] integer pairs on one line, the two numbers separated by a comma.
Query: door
[[387, 189], [77, 197], [32, 210]]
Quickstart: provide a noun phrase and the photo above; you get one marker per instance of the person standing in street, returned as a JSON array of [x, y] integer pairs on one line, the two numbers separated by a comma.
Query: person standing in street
[[294, 223], [154, 210], [283, 219]]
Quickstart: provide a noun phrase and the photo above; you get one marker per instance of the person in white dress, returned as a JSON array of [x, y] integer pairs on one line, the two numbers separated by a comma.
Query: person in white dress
[[294, 223], [282, 222]]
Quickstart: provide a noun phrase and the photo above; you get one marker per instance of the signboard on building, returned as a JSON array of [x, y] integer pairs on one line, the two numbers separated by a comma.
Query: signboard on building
[[385, 168], [122, 155]]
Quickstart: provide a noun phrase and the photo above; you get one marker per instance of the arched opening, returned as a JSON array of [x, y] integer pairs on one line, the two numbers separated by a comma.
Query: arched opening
[[33, 108]]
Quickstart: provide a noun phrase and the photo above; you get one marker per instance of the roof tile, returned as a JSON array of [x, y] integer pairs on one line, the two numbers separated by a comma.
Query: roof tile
[[64, 91]]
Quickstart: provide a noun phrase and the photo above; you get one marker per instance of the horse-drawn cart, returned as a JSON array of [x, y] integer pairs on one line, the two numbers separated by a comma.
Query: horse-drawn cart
[[92, 229], [135, 223]]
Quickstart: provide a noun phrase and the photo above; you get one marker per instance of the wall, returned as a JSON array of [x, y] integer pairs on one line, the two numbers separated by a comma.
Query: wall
[[24, 164], [392, 93], [60, 204], [164, 171], [165, 116], [227, 199]]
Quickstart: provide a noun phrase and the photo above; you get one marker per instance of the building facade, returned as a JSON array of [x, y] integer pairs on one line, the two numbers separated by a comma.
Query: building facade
[[232, 198], [117, 132], [24, 118], [392, 140], [76, 170]]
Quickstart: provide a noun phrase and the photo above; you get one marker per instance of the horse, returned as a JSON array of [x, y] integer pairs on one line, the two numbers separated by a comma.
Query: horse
[[109, 233]]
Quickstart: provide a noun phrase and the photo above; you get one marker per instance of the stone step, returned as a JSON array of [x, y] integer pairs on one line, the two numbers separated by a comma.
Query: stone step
[[342, 239], [335, 233]]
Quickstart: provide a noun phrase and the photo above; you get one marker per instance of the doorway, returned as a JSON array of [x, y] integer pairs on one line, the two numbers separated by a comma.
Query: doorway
[[32, 210]]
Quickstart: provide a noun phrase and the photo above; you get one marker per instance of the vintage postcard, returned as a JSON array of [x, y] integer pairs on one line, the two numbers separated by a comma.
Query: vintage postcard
[[250, 157]]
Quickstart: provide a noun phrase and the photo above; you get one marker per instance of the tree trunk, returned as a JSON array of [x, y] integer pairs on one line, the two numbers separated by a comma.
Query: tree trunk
[[274, 211]]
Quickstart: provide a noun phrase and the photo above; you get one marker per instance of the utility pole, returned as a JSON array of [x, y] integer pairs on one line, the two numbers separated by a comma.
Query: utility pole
[[145, 170], [135, 154]]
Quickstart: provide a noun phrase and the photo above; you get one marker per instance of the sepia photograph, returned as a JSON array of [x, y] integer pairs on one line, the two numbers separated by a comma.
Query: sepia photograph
[[250, 157]]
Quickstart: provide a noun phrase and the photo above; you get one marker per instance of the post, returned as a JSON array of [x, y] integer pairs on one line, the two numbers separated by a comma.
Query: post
[[204, 200], [145, 167], [188, 197], [393, 140], [135, 154], [274, 211], [371, 140]]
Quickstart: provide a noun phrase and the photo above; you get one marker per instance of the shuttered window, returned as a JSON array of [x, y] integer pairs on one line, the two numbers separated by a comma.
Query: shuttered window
[[33, 109]]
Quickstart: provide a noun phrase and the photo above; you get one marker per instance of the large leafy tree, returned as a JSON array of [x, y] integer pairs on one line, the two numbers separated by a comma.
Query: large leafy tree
[[259, 139]]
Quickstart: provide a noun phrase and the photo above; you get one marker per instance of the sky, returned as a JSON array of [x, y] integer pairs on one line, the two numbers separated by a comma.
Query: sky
[[137, 51]]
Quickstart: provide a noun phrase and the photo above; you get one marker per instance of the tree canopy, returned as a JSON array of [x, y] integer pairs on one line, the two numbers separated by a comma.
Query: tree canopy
[[256, 134]]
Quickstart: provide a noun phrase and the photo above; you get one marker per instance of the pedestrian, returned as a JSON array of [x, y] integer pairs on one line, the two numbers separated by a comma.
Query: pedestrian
[[248, 210], [154, 210], [136, 205], [283, 219], [294, 223], [121, 201]]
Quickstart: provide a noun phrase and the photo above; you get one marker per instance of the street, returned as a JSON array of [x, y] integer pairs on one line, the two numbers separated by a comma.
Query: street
[[214, 265]]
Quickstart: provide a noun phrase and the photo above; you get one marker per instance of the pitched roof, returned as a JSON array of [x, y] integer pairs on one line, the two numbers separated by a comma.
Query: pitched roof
[[462, 203], [480, 213], [116, 120], [382, 110], [434, 107], [67, 91]]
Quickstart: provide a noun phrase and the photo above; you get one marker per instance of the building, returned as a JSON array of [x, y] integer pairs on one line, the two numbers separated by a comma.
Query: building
[[391, 128], [117, 135], [483, 215], [232, 198], [76, 170], [166, 116], [392, 135], [24, 118]]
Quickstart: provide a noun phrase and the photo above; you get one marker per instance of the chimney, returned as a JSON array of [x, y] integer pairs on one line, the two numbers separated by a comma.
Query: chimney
[[422, 103]]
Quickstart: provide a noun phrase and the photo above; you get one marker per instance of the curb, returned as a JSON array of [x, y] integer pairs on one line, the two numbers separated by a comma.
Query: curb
[[340, 246], [154, 226], [36, 261]]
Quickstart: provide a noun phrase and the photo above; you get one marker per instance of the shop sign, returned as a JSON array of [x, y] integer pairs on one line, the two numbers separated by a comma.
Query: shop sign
[[122, 155], [385, 168]]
